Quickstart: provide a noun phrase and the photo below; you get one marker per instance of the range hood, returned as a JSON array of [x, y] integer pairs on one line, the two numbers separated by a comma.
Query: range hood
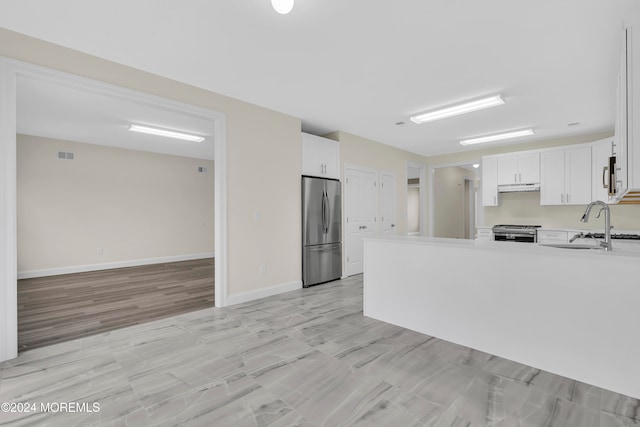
[[515, 188]]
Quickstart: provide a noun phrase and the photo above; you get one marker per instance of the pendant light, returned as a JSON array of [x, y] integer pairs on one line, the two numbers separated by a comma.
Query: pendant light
[[282, 6]]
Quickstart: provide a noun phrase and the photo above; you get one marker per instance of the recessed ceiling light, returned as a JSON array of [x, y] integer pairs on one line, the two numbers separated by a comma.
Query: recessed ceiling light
[[497, 137], [167, 133], [476, 165], [282, 6], [455, 110]]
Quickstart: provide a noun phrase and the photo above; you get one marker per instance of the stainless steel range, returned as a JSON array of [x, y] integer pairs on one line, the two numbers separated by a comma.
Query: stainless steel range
[[516, 233]]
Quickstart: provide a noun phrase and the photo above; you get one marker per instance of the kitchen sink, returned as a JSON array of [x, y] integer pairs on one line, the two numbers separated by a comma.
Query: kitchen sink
[[571, 246]]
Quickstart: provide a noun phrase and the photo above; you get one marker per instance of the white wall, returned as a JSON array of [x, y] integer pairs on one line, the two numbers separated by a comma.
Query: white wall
[[449, 201], [263, 163], [524, 208], [134, 205], [8, 256]]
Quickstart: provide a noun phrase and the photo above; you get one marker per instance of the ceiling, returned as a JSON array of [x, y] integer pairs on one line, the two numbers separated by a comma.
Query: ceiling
[[79, 110], [361, 66]]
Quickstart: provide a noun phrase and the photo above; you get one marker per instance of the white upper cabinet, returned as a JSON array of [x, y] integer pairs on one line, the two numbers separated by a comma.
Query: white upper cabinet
[[633, 107], [490, 180], [552, 178], [577, 177], [320, 157], [566, 176], [601, 152], [519, 168], [627, 141]]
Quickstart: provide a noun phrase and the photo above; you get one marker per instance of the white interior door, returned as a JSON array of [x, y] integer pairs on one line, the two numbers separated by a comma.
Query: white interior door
[[361, 207], [388, 209]]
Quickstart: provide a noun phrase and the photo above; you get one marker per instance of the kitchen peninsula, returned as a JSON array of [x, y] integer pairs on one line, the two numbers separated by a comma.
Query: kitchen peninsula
[[568, 311]]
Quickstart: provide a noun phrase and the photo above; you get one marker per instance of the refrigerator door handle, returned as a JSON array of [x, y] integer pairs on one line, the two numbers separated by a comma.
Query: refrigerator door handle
[[324, 211], [328, 215]]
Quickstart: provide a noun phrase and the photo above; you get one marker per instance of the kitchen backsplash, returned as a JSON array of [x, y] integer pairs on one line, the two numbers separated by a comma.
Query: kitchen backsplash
[[525, 208]]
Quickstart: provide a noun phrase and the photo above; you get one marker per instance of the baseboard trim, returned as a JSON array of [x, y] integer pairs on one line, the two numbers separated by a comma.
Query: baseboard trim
[[109, 265], [262, 293]]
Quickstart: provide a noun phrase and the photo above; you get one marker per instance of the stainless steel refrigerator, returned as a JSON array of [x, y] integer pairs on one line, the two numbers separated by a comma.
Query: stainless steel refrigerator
[[321, 231]]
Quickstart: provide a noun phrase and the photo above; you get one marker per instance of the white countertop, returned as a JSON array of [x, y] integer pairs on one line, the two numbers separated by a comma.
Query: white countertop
[[625, 251]]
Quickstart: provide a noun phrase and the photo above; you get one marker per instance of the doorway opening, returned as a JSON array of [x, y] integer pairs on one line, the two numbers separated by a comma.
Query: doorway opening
[[454, 208], [13, 74], [416, 199]]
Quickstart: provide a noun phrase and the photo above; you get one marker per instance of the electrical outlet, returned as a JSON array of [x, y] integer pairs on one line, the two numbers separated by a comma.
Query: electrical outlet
[[100, 251]]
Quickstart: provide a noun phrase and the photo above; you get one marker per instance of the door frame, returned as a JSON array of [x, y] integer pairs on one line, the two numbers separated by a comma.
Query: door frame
[[422, 195], [471, 202], [432, 169], [10, 69]]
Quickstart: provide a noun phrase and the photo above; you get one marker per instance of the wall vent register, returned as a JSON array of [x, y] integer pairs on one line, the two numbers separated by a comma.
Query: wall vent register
[[64, 155]]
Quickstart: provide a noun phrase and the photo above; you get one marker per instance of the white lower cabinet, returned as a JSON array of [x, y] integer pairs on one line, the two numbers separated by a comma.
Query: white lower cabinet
[[566, 176], [553, 236], [484, 233]]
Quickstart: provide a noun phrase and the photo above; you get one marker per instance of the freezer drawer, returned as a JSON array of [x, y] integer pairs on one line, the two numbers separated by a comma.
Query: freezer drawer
[[321, 263]]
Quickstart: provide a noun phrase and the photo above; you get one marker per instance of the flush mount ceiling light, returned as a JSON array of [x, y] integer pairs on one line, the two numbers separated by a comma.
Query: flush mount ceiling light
[[497, 137], [455, 110], [282, 6], [166, 133]]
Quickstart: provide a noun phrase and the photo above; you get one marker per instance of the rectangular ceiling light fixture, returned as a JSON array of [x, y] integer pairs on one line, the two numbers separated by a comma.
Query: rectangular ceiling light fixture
[[497, 137], [166, 133], [455, 110]]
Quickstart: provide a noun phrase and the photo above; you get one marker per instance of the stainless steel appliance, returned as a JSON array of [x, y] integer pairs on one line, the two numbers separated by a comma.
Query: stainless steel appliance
[[321, 231], [611, 172], [515, 233]]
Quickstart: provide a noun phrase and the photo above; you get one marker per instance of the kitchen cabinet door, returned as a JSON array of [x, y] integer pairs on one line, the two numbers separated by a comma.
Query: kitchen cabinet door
[[600, 153], [552, 236], [331, 158], [484, 233], [507, 165], [312, 162], [489, 181], [552, 177], [577, 178], [565, 176], [320, 157], [529, 168], [519, 168]]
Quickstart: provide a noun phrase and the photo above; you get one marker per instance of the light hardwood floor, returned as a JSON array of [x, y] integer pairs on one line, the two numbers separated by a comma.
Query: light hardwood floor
[[305, 358], [61, 308]]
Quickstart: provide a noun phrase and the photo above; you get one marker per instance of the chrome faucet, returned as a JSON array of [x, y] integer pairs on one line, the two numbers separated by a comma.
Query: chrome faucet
[[606, 245]]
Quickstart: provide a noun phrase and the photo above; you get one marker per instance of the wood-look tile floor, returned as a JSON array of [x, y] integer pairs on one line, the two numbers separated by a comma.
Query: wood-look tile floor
[[61, 308], [304, 358]]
